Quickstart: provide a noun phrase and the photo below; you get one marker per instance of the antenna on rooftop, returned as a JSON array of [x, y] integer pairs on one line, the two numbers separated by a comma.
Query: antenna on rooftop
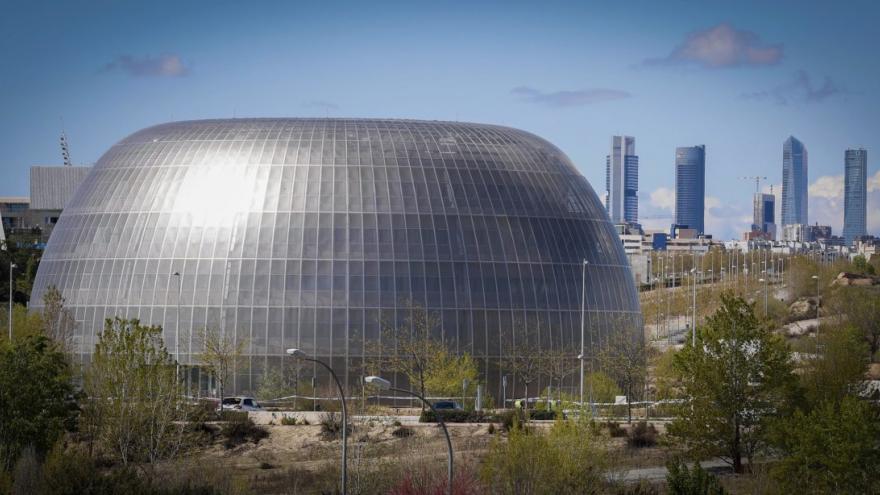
[[65, 150]]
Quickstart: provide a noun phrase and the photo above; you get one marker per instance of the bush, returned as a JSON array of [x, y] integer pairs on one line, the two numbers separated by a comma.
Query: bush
[[569, 459], [239, 432], [403, 432], [511, 419], [697, 481], [331, 426], [289, 420], [542, 415], [454, 416], [615, 430], [642, 435], [491, 429], [232, 416]]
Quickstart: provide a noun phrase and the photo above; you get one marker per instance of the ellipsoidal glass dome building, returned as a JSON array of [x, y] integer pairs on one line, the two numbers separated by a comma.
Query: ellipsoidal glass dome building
[[310, 233]]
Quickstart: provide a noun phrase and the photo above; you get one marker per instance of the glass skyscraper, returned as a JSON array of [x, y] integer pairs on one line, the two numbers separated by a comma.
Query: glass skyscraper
[[855, 197], [764, 214], [622, 180], [319, 233], [690, 187], [794, 182]]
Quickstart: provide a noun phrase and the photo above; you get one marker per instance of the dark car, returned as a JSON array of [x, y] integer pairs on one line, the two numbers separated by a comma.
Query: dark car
[[447, 405]]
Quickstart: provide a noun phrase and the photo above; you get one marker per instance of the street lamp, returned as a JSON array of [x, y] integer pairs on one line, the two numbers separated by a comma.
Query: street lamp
[[583, 299], [300, 354], [11, 267], [177, 328], [818, 303], [764, 281], [694, 310], [581, 357], [383, 384]]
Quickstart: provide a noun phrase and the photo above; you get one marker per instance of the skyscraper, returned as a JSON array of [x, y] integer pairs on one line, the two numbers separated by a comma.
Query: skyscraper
[[690, 186], [764, 219], [622, 180], [855, 207], [794, 182]]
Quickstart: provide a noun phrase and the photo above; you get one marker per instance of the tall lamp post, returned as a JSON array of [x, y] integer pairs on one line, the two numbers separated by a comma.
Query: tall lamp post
[[818, 303], [764, 281], [177, 328], [694, 310], [11, 268], [383, 384], [300, 354], [583, 299]]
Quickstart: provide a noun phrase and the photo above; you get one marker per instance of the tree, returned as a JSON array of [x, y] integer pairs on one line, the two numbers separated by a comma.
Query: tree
[[409, 348], [559, 364], [861, 308], [136, 409], [838, 369], [220, 356], [737, 376], [446, 373], [623, 357], [861, 265], [58, 323], [34, 389], [525, 362], [833, 449]]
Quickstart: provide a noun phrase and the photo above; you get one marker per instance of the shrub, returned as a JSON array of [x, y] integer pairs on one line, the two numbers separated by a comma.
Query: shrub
[[697, 481], [615, 430], [642, 435], [453, 416], [226, 415], [491, 429], [289, 420], [403, 432], [464, 483], [512, 419], [542, 415], [569, 459], [331, 426], [239, 432]]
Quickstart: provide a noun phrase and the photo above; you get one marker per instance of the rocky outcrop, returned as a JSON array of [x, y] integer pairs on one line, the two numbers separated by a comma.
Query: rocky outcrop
[[803, 308], [855, 279]]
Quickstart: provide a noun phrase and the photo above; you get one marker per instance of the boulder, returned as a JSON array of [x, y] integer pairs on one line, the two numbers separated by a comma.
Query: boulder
[[803, 308]]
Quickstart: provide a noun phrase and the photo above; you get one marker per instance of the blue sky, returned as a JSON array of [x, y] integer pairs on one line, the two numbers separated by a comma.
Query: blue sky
[[738, 77]]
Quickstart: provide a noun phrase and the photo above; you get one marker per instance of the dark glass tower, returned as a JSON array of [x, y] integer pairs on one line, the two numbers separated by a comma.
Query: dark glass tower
[[855, 197], [690, 187], [794, 182], [622, 181], [314, 233]]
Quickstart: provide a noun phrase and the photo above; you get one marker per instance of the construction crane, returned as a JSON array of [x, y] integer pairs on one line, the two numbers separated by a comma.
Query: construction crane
[[65, 150], [757, 179]]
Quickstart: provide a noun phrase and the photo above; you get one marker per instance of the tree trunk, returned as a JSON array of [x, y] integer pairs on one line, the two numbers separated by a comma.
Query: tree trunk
[[629, 412], [735, 451]]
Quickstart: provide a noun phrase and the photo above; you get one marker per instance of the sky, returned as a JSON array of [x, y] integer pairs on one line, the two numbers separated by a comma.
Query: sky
[[738, 77]]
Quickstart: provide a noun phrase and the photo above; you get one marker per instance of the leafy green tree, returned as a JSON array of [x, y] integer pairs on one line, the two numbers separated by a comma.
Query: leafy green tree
[[604, 388], [838, 369], [136, 410], [446, 373], [58, 322], [860, 306], [861, 265], [34, 389], [737, 376], [833, 449]]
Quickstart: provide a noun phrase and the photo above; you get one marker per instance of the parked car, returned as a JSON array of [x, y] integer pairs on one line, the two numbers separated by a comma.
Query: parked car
[[447, 405], [241, 404]]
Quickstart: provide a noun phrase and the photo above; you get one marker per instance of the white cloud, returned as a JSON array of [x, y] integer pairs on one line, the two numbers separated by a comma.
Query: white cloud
[[720, 46], [663, 198], [874, 182], [826, 202], [165, 65], [569, 98], [828, 186]]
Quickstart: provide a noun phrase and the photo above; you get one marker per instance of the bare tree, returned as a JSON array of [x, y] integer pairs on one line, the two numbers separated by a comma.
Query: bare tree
[[624, 358], [558, 364], [58, 323], [525, 361], [220, 355], [409, 348]]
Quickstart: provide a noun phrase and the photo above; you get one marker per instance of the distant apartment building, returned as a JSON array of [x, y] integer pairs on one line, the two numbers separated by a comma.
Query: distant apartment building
[[622, 181], [855, 196], [794, 184], [764, 215], [690, 187], [51, 188]]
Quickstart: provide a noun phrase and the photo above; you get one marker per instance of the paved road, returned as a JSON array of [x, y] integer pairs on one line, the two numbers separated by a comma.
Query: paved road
[[659, 473]]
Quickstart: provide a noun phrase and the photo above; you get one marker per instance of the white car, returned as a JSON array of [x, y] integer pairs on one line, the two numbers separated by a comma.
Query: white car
[[241, 404]]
